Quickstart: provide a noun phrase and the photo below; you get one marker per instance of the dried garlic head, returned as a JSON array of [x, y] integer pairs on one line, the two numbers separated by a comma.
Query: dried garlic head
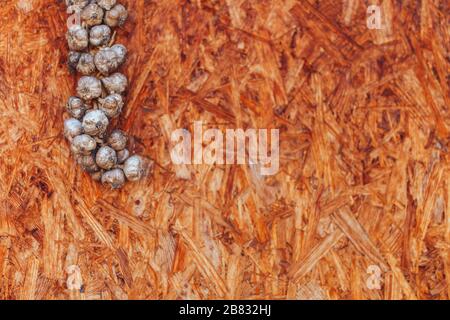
[[99, 35], [118, 140], [72, 128], [106, 158], [116, 83], [72, 59], [76, 107], [134, 168], [112, 105], [95, 123], [86, 64], [106, 4], [89, 88], [122, 156], [77, 38], [107, 60], [116, 16], [83, 144], [114, 178], [92, 15]]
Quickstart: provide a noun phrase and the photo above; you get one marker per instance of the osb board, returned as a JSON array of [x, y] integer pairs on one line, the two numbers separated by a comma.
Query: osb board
[[364, 120]]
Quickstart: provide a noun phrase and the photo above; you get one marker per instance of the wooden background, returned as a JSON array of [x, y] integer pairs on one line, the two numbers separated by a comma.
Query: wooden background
[[364, 178]]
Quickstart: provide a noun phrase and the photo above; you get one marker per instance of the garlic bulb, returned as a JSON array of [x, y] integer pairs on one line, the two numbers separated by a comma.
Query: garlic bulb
[[121, 52], [72, 59], [86, 64], [95, 123], [134, 168], [92, 15], [83, 144], [72, 128], [107, 60], [116, 83], [116, 16], [77, 38], [122, 156], [76, 107], [89, 88], [106, 157], [88, 164], [118, 140], [112, 105], [114, 178], [106, 4], [86, 161], [99, 35]]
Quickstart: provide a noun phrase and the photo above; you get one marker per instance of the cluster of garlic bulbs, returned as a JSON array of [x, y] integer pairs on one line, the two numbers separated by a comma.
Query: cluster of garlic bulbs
[[98, 150]]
